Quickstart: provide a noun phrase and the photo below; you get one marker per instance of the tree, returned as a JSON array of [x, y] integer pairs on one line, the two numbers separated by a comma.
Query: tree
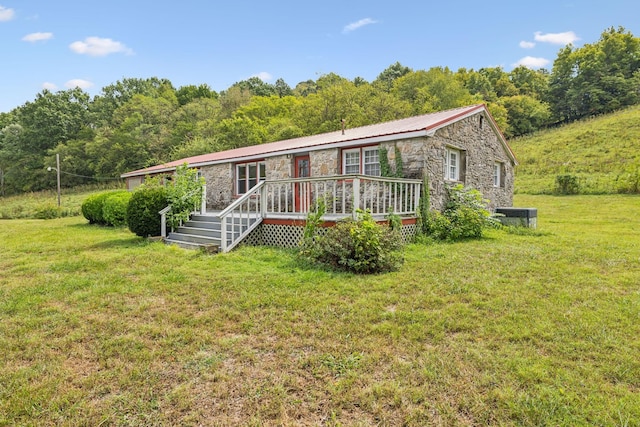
[[232, 99], [189, 93], [240, 131], [282, 89], [393, 72], [256, 87], [77, 164], [477, 84], [559, 85], [187, 121], [433, 90], [10, 158], [323, 111], [596, 78], [117, 94], [194, 147], [51, 119], [305, 88], [525, 114], [534, 83]]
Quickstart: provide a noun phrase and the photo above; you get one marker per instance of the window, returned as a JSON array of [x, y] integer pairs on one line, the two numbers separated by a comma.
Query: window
[[351, 162], [371, 162], [248, 174], [364, 161], [452, 164], [498, 174]]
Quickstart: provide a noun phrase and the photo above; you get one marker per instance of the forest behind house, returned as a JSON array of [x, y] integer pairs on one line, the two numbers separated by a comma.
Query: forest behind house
[[138, 122]]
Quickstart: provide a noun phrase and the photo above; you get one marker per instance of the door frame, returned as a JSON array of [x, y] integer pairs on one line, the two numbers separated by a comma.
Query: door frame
[[302, 190]]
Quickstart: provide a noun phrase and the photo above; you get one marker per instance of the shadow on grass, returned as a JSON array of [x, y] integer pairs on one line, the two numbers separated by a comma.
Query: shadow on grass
[[133, 242]]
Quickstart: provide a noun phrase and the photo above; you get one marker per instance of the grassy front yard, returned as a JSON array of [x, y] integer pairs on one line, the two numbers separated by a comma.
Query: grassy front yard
[[98, 327]]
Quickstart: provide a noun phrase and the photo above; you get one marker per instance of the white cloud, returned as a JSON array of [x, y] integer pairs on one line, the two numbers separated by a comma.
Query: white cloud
[[96, 46], [358, 24], [527, 45], [36, 37], [6, 14], [264, 76], [531, 62], [556, 38], [82, 84], [49, 86]]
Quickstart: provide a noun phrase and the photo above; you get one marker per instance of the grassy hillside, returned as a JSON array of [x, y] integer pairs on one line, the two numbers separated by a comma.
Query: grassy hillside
[[603, 153], [32, 205]]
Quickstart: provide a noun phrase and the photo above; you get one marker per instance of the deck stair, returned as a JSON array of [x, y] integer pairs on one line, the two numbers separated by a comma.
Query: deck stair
[[203, 232]]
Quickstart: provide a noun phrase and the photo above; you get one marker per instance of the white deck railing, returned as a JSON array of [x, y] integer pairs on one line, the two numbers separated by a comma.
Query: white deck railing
[[241, 217], [342, 195]]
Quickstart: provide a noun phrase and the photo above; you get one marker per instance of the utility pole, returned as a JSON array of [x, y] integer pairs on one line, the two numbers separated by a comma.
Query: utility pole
[[57, 168], [58, 173]]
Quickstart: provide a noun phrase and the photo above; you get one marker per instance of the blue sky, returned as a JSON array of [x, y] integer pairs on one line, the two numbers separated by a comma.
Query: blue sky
[[91, 43]]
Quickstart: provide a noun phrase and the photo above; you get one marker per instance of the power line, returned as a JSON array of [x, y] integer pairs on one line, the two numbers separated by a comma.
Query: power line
[[90, 177]]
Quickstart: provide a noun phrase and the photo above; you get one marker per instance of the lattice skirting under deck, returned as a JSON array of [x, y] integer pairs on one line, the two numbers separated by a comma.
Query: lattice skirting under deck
[[289, 236]]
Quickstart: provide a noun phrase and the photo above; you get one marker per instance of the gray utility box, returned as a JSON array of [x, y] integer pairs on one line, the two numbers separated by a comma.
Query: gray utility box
[[519, 217]]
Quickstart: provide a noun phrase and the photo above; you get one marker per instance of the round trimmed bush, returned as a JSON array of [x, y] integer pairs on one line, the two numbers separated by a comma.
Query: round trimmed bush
[[142, 213], [93, 205], [114, 209]]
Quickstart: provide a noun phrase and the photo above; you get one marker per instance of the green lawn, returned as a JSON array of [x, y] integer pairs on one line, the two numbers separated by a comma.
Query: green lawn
[[98, 327]]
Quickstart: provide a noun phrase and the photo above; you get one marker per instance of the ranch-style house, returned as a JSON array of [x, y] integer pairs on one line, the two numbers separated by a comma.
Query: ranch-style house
[[263, 193]]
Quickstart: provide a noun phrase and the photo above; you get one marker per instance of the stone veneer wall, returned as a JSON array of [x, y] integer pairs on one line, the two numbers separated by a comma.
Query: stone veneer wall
[[219, 179], [482, 148], [220, 184], [324, 162]]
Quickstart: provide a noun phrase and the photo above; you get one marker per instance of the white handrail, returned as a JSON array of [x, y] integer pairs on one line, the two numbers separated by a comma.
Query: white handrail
[[242, 216]]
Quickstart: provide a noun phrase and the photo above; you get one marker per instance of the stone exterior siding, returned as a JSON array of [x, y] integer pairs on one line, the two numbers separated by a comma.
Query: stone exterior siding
[[325, 162], [473, 136], [219, 179], [482, 149]]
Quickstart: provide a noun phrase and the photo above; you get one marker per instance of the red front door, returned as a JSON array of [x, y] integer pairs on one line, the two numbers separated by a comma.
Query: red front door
[[302, 169]]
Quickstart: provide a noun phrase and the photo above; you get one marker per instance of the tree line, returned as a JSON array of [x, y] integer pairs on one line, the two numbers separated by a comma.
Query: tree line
[[135, 122]]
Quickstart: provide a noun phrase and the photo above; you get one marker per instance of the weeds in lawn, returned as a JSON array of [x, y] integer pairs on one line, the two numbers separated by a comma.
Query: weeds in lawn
[[98, 326]]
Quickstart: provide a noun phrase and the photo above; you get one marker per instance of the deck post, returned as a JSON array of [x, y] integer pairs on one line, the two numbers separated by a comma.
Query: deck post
[[356, 197], [263, 201], [163, 225], [203, 203], [223, 234]]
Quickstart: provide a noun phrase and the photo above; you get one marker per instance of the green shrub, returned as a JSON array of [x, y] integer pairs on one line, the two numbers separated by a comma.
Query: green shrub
[[567, 184], [142, 213], [184, 194], [465, 216], [424, 207], [114, 209], [48, 211], [360, 246], [92, 207]]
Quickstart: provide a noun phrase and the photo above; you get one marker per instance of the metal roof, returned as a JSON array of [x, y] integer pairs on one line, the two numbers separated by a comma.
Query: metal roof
[[424, 125]]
